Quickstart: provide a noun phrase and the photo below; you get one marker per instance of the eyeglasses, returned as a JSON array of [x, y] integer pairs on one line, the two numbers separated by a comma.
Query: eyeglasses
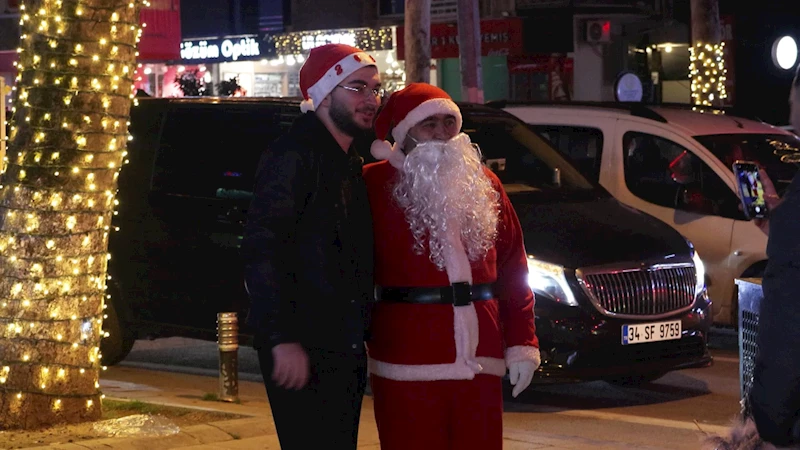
[[364, 91]]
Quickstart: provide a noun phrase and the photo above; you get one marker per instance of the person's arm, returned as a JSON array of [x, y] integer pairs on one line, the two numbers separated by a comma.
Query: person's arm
[[515, 297], [267, 247]]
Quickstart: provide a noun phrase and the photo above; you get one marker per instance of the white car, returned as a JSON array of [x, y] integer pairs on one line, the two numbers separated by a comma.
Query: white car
[[675, 164]]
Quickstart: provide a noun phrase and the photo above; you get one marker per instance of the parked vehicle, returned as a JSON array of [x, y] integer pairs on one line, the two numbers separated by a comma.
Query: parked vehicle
[[675, 164], [619, 295]]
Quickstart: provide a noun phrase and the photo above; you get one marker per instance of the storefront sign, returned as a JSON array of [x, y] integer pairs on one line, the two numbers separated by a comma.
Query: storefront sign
[[308, 42], [301, 42], [628, 88], [221, 49], [498, 37]]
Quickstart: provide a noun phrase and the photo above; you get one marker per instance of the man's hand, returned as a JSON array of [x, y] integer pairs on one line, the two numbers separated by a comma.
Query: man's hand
[[290, 366], [520, 374], [770, 196]]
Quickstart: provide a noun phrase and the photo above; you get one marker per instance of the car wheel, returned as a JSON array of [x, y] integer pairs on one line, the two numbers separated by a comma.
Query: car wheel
[[634, 380], [120, 340]]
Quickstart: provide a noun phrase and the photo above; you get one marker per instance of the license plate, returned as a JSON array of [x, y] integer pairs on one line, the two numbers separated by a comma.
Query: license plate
[[651, 332]]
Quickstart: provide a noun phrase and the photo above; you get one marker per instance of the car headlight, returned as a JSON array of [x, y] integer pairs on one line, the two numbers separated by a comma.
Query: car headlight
[[700, 270], [548, 279]]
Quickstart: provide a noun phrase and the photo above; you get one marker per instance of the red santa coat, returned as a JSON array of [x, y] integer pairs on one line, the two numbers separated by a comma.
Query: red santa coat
[[415, 342]]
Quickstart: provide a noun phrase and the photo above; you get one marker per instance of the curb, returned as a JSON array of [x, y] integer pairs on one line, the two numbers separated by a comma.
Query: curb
[[194, 435]]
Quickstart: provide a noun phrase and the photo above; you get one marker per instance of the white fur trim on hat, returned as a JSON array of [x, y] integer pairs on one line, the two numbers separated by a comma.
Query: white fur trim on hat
[[335, 75], [423, 111]]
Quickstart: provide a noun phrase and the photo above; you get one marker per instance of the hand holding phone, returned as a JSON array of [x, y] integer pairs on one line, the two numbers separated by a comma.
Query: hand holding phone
[[751, 189]]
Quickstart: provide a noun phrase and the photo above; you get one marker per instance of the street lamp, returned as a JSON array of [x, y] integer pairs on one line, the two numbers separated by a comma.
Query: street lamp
[[784, 52]]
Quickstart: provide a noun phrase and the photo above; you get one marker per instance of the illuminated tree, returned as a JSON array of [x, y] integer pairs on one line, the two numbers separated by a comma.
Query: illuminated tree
[[706, 55], [66, 147]]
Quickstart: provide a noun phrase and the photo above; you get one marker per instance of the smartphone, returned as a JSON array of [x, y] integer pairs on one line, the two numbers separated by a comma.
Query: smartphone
[[751, 189]]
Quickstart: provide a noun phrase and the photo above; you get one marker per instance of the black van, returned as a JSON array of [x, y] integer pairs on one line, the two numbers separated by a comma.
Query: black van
[[619, 294]]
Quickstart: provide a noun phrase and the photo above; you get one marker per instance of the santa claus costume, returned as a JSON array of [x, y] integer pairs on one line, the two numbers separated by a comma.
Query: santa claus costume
[[454, 309]]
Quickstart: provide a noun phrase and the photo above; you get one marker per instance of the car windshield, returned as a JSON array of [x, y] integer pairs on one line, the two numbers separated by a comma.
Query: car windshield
[[524, 161], [765, 149]]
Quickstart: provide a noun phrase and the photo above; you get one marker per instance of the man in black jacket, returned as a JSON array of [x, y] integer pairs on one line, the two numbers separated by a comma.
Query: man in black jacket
[[775, 393], [308, 254]]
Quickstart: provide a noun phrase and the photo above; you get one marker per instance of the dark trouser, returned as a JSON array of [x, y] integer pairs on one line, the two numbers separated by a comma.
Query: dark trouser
[[326, 412]]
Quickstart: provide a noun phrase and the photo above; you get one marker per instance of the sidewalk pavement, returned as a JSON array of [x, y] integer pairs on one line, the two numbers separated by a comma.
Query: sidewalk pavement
[[257, 431]]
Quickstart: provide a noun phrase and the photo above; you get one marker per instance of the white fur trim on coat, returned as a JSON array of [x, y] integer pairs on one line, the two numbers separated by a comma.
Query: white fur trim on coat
[[422, 112], [519, 353], [458, 370], [335, 75]]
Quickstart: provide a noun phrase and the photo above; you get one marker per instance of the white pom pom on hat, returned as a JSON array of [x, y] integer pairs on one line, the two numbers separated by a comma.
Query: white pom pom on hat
[[383, 150]]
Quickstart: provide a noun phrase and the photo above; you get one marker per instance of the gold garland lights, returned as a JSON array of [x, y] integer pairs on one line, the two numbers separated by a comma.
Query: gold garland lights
[[301, 42], [707, 72], [67, 144]]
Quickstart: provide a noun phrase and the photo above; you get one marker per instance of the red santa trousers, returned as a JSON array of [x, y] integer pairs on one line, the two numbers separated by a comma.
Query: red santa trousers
[[439, 415]]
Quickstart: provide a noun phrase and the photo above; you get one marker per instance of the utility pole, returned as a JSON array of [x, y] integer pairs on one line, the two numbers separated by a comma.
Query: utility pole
[[706, 67], [469, 49], [417, 40]]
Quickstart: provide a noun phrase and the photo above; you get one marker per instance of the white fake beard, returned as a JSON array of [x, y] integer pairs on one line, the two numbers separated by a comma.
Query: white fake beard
[[444, 180]]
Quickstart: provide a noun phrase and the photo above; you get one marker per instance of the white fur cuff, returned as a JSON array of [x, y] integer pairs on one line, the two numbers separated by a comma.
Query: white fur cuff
[[519, 353]]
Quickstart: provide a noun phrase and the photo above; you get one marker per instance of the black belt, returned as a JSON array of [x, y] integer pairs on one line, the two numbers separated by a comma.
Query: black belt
[[458, 294]]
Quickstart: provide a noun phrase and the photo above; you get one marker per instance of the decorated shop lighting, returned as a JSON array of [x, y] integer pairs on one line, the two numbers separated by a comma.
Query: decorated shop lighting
[[66, 146], [367, 39], [707, 72]]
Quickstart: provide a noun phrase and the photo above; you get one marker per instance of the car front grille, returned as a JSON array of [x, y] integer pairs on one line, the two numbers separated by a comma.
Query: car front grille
[[653, 291]]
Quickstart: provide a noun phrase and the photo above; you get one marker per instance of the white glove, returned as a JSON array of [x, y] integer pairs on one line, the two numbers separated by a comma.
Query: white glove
[[521, 375]]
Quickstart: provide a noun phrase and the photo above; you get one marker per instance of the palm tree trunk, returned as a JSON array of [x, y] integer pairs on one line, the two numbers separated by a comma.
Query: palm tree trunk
[[706, 67], [417, 40], [66, 147]]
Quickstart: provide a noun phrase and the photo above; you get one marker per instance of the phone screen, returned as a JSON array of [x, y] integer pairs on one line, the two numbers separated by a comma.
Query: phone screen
[[751, 189]]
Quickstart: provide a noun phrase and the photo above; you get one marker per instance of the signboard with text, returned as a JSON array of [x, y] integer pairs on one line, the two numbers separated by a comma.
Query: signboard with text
[[227, 49], [498, 37]]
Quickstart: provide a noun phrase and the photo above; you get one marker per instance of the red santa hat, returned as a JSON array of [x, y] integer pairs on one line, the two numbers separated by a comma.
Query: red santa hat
[[406, 108], [326, 67]]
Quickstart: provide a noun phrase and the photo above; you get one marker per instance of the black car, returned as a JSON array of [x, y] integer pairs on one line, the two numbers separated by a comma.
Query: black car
[[620, 296]]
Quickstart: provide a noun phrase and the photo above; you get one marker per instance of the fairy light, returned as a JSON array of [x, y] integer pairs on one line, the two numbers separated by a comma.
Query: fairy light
[[707, 72], [300, 42], [57, 197]]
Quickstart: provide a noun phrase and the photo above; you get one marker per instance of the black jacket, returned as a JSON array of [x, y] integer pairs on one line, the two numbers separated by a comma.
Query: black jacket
[[775, 394], [307, 244]]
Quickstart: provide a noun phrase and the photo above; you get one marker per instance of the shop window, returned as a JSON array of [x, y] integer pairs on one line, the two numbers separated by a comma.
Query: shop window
[[664, 173], [211, 152], [268, 85], [583, 145]]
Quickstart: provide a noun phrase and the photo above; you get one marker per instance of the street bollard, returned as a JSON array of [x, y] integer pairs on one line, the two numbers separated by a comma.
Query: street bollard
[[228, 341]]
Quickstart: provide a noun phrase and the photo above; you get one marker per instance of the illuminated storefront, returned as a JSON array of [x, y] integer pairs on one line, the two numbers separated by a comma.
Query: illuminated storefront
[[269, 65]]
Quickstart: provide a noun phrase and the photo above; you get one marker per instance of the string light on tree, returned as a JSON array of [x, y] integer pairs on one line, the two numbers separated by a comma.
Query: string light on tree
[[66, 147], [707, 72]]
